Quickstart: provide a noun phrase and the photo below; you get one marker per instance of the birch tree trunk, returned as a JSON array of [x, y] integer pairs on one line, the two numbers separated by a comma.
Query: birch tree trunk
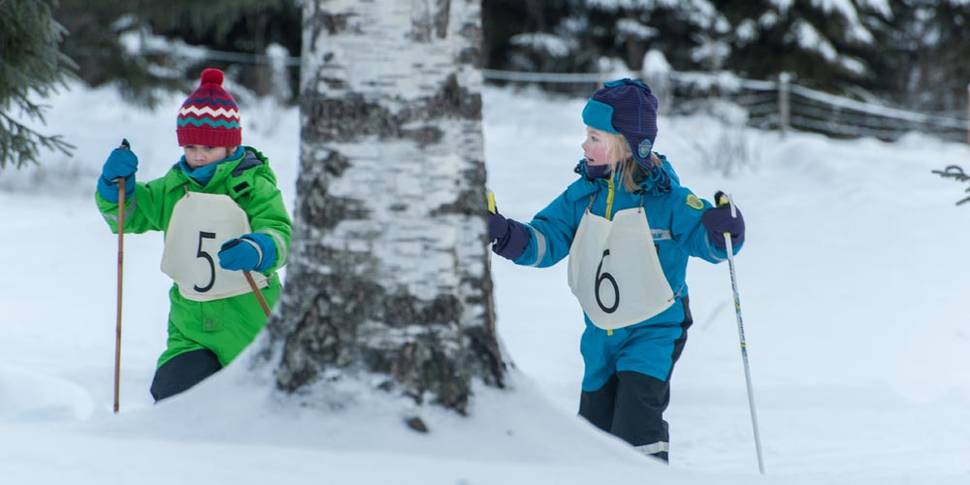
[[389, 281]]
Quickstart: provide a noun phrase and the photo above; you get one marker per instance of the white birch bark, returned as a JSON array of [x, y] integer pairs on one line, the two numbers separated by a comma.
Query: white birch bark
[[388, 280]]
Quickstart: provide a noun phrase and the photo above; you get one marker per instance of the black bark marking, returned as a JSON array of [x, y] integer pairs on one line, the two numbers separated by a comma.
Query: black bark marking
[[320, 209], [440, 18], [351, 117], [470, 201], [428, 365], [319, 21]]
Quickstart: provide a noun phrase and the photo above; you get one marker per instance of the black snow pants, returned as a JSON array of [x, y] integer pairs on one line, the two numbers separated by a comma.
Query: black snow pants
[[630, 405], [182, 372]]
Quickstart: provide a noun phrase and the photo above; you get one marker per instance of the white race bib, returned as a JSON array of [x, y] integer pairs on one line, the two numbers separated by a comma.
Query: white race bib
[[200, 224], [615, 272]]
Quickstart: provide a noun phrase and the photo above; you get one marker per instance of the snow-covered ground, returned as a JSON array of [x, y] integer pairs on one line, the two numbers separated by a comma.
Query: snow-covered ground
[[852, 286]]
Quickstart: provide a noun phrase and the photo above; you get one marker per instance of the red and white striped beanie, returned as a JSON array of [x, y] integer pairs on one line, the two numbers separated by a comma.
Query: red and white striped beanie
[[209, 116]]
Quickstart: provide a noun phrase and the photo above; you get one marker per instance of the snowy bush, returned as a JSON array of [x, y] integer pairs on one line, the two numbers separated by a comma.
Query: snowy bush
[[725, 148]]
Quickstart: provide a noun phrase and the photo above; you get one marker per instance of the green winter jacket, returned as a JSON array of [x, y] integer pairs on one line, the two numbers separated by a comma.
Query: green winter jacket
[[225, 326]]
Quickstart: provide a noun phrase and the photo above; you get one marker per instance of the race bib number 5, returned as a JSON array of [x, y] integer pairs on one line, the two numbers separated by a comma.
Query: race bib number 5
[[199, 225]]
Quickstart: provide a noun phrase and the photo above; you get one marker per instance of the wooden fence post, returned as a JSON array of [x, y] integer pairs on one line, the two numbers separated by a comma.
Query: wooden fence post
[[784, 108]]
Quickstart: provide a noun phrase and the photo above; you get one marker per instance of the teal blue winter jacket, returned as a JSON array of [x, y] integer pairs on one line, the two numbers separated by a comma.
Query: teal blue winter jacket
[[673, 211], [674, 214]]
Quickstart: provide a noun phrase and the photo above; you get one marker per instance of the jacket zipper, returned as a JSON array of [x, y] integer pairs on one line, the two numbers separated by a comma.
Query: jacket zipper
[[610, 192], [609, 198]]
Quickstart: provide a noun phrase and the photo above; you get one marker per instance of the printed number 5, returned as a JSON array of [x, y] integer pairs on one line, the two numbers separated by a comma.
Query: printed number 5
[[599, 282], [206, 256]]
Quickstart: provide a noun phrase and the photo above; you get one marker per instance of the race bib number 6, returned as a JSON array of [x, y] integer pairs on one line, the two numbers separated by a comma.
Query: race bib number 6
[[615, 272]]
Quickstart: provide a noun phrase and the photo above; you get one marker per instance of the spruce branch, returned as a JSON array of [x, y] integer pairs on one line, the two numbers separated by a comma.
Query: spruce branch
[[31, 65], [21, 145], [955, 172]]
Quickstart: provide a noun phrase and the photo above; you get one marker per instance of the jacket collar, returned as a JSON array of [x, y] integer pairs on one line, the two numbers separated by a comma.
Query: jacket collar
[[202, 175], [659, 180], [178, 177]]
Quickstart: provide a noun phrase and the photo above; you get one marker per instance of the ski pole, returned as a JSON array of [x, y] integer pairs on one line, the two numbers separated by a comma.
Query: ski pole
[[721, 199], [259, 294], [121, 272]]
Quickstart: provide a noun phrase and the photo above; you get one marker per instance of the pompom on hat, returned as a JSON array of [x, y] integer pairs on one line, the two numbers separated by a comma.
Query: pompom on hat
[[626, 107], [209, 116]]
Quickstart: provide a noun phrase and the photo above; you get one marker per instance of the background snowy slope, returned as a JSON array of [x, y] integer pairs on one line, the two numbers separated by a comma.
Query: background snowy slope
[[851, 283]]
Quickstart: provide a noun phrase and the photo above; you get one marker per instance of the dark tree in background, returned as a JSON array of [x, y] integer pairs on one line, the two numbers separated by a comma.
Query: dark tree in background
[[30, 61], [927, 52], [828, 46], [594, 36], [241, 29], [907, 53]]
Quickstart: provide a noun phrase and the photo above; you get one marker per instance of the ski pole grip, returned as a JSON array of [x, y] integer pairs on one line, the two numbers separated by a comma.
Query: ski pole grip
[[490, 196], [721, 199], [127, 146]]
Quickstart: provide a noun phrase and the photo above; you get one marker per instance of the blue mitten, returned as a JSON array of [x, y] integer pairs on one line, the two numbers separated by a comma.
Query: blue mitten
[[718, 220], [510, 237], [251, 252], [121, 163]]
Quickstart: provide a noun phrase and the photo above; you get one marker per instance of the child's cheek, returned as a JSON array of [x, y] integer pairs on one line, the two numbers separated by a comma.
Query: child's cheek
[[598, 152]]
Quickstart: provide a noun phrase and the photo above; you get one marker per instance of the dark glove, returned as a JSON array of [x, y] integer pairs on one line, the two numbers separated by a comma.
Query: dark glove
[[509, 237], [121, 163], [718, 220], [251, 252]]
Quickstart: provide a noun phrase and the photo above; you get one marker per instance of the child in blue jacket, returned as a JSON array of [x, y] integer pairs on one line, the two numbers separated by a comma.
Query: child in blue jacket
[[629, 227]]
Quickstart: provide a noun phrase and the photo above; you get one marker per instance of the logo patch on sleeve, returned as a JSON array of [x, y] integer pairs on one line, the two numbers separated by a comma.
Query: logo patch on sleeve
[[694, 202]]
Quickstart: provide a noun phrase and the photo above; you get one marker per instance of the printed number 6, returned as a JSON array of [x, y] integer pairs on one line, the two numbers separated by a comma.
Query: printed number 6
[[206, 256], [599, 282]]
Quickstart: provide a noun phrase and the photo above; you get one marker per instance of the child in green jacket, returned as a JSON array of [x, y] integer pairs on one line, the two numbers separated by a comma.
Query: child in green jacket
[[221, 198]]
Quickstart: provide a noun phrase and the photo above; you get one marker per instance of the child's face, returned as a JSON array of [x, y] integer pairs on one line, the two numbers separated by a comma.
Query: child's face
[[199, 155], [596, 147]]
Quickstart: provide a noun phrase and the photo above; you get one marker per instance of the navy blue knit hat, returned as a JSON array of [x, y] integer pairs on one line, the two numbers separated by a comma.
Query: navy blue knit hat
[[626, 107]]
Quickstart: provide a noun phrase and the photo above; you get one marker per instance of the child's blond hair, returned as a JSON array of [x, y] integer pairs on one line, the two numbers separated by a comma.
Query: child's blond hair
[[619, 154]]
